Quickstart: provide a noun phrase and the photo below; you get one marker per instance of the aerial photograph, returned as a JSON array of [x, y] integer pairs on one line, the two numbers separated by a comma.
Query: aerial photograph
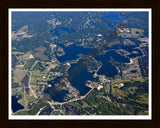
[[79, 63]]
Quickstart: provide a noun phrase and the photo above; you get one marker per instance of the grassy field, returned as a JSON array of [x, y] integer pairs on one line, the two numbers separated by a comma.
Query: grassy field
[[143, 98], [124, 35], [18, 75], [117, 92], [108, 88], [128, 80], [38, 76], [22, 113], [137, 32], [16, 53], [128, 42]]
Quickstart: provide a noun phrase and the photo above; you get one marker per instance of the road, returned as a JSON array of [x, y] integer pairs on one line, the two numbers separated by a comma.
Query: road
[[72, 100], [75, 99], [40, 110], [30, 88], [34, 65], [29, 85]]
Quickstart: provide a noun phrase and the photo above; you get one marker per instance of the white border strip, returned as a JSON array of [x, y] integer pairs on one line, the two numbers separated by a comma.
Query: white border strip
[[150, 63], [83, 117], [79, 10]]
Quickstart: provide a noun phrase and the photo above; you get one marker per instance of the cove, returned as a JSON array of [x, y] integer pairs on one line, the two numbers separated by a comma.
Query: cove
[[78, 81], [57, 29], [72, 52], [107, 68], [15, 105]]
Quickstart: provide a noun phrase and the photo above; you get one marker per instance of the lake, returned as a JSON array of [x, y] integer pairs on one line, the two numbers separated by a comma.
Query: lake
[[58, 29], [15, 105], [78, 81], [72, 51], [56, 96], [107, 68]]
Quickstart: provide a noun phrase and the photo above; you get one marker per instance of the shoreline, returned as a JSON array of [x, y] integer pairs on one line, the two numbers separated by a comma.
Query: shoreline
[[131, 61]]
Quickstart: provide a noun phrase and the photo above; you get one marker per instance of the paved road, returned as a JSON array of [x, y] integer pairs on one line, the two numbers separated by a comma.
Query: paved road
[[72, 100], [29, 85]]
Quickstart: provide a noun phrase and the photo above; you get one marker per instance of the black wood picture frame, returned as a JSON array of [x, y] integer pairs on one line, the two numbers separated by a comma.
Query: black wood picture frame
[[153, 4]]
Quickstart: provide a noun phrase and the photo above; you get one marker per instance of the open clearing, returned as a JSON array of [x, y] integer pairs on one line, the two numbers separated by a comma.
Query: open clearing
[[137, 32], [19, 74], [40, 53]]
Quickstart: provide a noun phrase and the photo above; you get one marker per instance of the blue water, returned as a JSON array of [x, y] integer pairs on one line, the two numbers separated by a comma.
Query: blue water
[[133, 55], [15, 105], [53, 92], [131, 49], [116, 19], [19, 35], [107, 68], [71, 53], [117, 57], [56, 96], [58, 29], [133, 71], [78, 81], [111, 15], [110, 25], [91, 22]]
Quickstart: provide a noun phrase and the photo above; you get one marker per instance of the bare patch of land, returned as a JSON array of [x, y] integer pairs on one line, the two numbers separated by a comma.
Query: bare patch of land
[[40, 53]]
